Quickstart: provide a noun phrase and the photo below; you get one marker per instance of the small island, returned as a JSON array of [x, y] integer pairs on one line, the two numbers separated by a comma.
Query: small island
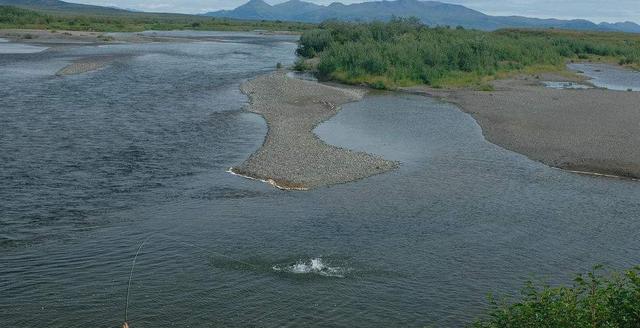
[[292, 157]]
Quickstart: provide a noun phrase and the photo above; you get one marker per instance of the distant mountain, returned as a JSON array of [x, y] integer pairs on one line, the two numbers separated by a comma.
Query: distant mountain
[[624, 26], [57, 5], [296, 7], [254, 9], [430, 12], [258, 9], [526, 22], [124, 8]]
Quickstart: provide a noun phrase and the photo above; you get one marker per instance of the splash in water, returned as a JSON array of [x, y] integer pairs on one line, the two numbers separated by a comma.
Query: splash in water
[[313, 266]]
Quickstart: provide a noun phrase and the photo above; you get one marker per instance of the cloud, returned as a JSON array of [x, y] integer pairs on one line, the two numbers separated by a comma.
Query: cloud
[[595, 10]]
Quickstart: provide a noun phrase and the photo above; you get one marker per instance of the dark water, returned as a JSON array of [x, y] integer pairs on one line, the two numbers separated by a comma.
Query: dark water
[[94, 164]]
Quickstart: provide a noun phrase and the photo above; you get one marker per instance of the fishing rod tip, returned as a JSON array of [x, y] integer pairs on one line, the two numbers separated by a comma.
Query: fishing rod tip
[[125, 325]]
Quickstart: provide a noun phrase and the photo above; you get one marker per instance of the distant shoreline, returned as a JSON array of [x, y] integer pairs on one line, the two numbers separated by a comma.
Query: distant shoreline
[[54, 38], [592, 131], [59, 38]]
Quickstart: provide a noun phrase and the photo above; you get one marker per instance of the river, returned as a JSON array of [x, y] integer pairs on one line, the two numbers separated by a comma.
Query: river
[[93, 165]]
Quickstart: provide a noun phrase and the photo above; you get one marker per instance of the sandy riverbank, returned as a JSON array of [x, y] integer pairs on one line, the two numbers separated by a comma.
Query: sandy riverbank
[[292, 156], [89, 64], [83, 66], [61, 38], [591, 130]]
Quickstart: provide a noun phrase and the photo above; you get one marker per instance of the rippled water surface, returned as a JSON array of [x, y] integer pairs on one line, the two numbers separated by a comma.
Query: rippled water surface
[[92, 165]]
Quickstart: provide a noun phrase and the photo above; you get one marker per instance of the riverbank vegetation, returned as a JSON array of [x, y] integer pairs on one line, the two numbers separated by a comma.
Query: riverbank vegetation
[[405, 52], [18, 18], [595, 300]]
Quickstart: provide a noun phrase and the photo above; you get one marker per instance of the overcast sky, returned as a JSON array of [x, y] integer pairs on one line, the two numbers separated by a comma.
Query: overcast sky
[[595, 10]]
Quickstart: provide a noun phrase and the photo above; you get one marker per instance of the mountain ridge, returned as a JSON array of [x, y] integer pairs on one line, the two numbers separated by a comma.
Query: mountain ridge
[[58, 6], [429, 12]]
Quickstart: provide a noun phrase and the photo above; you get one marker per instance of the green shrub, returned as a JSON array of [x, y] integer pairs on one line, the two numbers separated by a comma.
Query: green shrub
[[486, 87], [300, 65], [404, 51], [313, 42], [380, 85], [595, 300]]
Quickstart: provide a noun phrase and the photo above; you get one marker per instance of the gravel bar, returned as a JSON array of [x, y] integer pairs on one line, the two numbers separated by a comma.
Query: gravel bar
[[595, 131], [292, 156]]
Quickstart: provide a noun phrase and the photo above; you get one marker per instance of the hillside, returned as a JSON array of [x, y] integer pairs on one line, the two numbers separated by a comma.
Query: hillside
[[429, 12], [12, 17], [61, 6]]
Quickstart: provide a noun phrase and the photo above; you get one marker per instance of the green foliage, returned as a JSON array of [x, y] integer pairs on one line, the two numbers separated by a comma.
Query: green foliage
[[300, 65], [12, 17], [313, 42], [594, 300], [404, 51], [486, 87]]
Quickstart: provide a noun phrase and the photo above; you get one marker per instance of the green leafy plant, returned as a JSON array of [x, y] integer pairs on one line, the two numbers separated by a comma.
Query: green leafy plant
[[405, 52], [595, 300]]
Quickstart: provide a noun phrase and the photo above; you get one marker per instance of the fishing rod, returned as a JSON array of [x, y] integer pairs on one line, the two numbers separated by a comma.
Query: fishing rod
[[133, 264]]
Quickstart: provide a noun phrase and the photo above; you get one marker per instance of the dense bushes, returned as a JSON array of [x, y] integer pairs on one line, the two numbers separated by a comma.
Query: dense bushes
[[313, 42], [403, 51], [17, 16], [594, 300]]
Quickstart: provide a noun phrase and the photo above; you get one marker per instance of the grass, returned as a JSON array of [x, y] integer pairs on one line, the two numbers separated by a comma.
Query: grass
[[18, 18], [405, 52], [595, 300]]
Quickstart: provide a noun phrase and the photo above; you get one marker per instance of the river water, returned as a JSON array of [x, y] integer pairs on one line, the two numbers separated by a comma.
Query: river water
[[94, 164], [7, 47], [609, 76]]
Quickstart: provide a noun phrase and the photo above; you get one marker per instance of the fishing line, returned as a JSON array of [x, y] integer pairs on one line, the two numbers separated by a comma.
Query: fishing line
[[133, 264]]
